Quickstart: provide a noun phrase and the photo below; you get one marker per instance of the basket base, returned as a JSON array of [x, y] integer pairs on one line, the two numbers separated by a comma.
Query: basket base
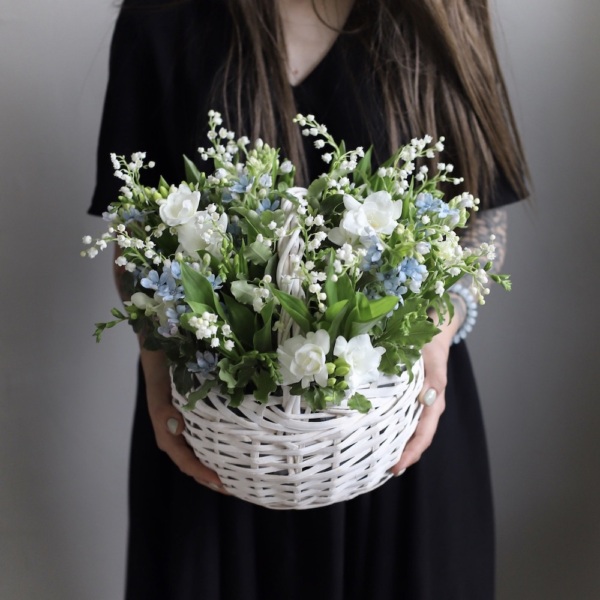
[[307, 460]]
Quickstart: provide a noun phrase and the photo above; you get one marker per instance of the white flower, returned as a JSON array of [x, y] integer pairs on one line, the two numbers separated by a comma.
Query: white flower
[[180, 206], [298, 192], [362, 358], [286, 166], [203, 232], [378, 214], [303, 359]]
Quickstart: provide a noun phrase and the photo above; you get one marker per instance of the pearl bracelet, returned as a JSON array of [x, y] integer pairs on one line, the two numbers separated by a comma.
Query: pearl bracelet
[[472, 311]]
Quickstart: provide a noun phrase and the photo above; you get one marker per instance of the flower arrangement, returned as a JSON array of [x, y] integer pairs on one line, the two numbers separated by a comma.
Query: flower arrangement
[[249, 283]]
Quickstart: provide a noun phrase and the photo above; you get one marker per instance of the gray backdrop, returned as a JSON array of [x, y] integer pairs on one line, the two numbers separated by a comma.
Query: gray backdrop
[[66, 403]]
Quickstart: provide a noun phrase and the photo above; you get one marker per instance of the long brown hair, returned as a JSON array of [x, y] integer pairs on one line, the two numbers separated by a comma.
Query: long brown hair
[[437, 67]]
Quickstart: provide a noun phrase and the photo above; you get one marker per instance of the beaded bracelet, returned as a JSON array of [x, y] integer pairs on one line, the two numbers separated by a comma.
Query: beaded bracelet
[[472, 311]]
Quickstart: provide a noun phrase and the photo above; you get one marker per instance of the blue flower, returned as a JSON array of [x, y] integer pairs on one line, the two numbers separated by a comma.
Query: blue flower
[[176, 270], [215, 282], [411, 269], [206, 363], [266, 204], [426, 203], [172, 326], [165, 285], [374, 253], [151, 282], [132, 214], [242, 185], [393, 283]]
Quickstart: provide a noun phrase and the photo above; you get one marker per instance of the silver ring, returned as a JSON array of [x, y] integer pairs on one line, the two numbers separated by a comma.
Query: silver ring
[[172, 425], [429, 397]]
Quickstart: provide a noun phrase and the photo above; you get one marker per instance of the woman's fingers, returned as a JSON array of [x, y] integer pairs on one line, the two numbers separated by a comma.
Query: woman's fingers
[[423, 436], [167, 421], [168, 429], [432, 396]]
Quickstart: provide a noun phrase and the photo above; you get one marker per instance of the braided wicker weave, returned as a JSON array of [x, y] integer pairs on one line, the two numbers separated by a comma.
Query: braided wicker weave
[[280, 455], [283, 456]]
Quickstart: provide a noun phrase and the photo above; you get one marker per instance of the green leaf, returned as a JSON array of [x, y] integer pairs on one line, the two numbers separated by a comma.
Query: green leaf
[[332, 205], [197, 288], [241, 320], [258, 253], [252, 218], [225, 373], [334, 310], [296, 308], [199, 308], [373, 310], [192, 174], [199, 394], [345, 288], [317, 187], [263, 337], [243, 291], [360, 403], [265, 385], [184, 380]]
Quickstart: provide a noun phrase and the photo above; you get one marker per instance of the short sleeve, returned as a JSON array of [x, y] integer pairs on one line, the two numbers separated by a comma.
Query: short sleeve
[[131, 104]]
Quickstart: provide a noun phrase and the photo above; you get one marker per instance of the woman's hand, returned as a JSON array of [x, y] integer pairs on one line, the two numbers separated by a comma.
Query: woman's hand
[[435, 360], [167, 421]]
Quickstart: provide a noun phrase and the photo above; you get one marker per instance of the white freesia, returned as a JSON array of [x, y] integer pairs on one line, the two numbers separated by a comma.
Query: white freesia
[[303, 359], [180, 206], [362, 358], [298, 192], [377, 214], [204, 231]]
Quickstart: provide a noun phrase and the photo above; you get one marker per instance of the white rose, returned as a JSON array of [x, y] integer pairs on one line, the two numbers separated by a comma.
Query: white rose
[[362, 358], [180, 206], [201, 232], [378, 214], [303, 359]]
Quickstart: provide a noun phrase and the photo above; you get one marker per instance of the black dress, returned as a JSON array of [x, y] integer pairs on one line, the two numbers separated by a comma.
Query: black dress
[[427, 535]]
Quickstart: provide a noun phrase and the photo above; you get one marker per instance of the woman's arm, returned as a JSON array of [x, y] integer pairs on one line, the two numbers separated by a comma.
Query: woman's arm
[[166, 419], [435, 354]]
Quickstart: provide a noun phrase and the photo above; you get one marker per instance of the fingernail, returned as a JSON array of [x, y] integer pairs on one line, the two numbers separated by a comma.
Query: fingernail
[[429, 397], [172, 425], [401, 472], [214, 486]]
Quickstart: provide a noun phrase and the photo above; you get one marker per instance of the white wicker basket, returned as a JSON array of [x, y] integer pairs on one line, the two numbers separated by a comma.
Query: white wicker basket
[[280, 455], [283, 456]]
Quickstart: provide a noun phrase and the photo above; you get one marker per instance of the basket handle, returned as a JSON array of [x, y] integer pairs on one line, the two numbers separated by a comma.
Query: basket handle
[[289, 246]]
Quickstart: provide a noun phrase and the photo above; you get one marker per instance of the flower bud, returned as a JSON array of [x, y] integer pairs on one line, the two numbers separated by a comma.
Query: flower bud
[[342, 371]]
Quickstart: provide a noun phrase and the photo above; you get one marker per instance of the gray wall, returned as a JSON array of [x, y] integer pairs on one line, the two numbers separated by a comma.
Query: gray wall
[[66, 403]]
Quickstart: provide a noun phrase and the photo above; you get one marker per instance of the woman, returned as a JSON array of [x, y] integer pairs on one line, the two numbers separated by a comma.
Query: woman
[[375, 72]]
